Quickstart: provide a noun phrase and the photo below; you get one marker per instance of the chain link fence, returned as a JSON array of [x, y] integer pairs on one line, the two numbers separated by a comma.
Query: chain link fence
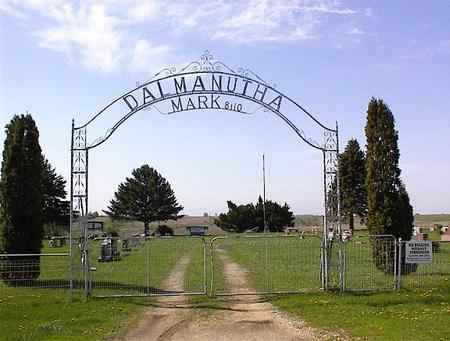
[[157, 266], [44, 271], [369, 263], [229, 265], [433, 275]]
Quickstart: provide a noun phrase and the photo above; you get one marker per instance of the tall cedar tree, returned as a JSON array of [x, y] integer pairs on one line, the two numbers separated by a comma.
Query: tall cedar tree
[[146, 197], [389, 211], [56, 210], [21, 196], [241, 218], [352, 176]]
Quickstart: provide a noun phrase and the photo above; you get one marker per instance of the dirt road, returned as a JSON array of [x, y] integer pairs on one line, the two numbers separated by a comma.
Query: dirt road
[[243, 318]]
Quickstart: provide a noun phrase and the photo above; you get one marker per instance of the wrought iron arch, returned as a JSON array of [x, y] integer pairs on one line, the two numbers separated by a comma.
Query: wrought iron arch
[[196, 72]]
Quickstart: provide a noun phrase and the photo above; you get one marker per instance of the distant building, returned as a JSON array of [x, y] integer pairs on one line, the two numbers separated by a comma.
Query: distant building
[[95, 225], [197, 230], [291, 230]]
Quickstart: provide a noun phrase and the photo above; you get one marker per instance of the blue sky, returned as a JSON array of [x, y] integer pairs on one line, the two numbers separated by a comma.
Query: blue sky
[[62, 59]]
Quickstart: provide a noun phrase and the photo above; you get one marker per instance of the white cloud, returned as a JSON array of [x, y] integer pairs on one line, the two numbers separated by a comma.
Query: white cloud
[[148, 56], [10, 10], [355, 31], [99, 32], [144, 11], [368, 12], [277, 20], [88, 32]]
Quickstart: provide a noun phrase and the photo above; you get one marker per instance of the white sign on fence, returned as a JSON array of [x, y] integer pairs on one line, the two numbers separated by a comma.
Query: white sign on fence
[[420, 252]]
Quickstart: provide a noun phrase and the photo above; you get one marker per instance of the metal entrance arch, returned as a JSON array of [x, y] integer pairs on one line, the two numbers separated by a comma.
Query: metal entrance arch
[[212, 85]]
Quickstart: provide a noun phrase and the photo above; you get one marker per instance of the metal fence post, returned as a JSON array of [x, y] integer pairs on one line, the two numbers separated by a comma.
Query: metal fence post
[[395, 263], [344, 266], [399, 264], [211, 250], [147, 272], [205, 272]]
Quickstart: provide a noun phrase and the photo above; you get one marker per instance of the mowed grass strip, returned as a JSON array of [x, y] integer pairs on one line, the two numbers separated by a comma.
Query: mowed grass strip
[[49, 314], [52, 314], [403, 315]]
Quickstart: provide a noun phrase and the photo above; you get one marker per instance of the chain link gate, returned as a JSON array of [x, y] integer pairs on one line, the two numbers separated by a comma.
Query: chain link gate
[[370, 263], [248, 265], [156, 266]]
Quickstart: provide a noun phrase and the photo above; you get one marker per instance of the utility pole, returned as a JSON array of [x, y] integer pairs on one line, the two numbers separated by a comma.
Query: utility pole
[[264, 193]]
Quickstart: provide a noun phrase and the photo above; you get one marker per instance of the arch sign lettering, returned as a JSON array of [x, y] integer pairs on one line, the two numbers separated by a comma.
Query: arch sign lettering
[[206, 84]]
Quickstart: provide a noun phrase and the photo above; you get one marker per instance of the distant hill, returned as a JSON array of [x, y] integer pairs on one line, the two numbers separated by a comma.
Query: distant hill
[[303, 221], [431, 219]]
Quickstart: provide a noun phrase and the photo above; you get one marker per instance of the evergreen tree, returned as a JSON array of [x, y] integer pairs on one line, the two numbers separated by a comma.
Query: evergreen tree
[[277, 216], [352, 176], [21, 197], [55, 209], [241, 218], [146, 197], [389, 211]]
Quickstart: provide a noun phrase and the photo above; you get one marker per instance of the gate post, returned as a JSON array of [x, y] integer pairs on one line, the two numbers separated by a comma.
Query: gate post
[[211, 250], [85, 253], [71, 260], [331, 220], [343, 264], [399, 265]]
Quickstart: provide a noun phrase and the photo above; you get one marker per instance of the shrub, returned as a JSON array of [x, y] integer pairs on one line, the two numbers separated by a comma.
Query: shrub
[[164, 230]]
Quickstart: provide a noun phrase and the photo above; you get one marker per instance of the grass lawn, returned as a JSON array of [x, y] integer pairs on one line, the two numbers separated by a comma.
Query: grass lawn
[[403, 315], [50, 314]]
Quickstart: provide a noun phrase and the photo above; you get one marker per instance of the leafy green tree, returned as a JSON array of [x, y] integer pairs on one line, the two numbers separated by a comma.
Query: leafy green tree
[[21, 197], [389, 211], [55, 209], [241, 218], [146, 196], [352, 177], [277, 216]]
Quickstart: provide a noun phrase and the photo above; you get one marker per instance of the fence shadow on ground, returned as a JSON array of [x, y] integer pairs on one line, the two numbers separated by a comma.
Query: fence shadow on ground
[[78, 284]]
